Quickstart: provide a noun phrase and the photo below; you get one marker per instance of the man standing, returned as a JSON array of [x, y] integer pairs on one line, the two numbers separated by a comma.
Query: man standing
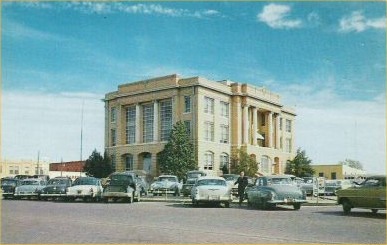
[[242, 183]]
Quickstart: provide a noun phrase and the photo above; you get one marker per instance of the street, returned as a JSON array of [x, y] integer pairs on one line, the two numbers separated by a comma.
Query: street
[[31, 221]]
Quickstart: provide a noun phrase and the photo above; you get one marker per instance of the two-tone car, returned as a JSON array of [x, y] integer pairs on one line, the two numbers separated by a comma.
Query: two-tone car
[[8, 186], [269, 191], [56, 188], [371, 194], [191, 177], [122, 186], [166, 184], [30, 188], [211, 189], [85, 188]]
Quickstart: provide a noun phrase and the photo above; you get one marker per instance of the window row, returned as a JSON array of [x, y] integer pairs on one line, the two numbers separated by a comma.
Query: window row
[[209, 134], [209, 107], [224, 160]]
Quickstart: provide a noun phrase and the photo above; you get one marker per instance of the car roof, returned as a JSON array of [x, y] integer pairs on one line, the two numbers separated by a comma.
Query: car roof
[[277, 176], [167, 175], [211, 177]]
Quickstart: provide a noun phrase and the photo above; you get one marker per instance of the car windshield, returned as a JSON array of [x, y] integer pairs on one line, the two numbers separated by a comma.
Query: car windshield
[[57, 182], [211, 182], [191, 181], [8, 182], [194, 175], [85, 181], [330, 183], [30, 182], [172, 179], [230, 177], [279, 181], [120, 179]]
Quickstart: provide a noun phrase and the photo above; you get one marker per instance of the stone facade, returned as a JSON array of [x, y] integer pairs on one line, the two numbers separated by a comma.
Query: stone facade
[[222, 117]]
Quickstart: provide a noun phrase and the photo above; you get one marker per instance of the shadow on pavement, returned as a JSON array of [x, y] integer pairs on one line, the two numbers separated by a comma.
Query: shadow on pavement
[[356, 213]]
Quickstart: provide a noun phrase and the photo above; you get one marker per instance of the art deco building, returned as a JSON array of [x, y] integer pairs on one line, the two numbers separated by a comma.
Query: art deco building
[[221, 117]]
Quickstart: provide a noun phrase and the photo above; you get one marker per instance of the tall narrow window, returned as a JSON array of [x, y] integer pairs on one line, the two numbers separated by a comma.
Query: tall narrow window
[[209, 131], [288, 125], [147, 120], [263, 119], [113, 114], [208, 105], [208, 160], [131, 125], [224, 109], [280, 123], [165, 119], [224, 134], [288, 145], [188, 127], [113, 137], [113, 159], [224, 161], [187, 104], [265, 165], [129, 162]]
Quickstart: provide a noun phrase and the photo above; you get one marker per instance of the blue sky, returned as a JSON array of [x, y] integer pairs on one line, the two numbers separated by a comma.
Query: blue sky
[[327, 60]]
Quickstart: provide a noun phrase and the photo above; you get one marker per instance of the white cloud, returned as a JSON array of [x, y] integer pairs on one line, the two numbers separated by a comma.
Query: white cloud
[[21, 31], [357, 22], [276, 16]]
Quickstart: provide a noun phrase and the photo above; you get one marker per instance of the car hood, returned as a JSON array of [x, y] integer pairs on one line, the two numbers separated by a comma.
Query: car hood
[[28, 187], [82, 187], [163, 184]]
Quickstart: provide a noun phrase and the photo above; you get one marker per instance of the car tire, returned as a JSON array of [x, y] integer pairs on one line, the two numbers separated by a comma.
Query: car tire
[[346, 206], [227, 204], [374, 211], [194, 202], [297, 206], [105, 200]]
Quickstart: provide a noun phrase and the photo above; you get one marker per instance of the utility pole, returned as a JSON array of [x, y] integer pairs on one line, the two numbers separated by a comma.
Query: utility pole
[[80, 171], [37, 165]]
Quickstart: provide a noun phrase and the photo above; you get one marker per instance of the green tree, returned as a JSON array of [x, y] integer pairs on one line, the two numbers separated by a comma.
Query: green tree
[[178, 155], [243, 162], [98, 166], [300, 165], [352, 163]]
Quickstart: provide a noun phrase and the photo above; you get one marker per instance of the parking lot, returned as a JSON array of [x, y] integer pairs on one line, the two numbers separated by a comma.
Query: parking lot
[[30, 221]]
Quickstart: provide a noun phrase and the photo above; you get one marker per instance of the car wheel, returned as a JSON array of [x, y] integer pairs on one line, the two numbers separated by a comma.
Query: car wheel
[[346, 206], [194, 202], [374, 211], [105, 200], [297, 206], [137, 199], [227, 204], [177, 193]]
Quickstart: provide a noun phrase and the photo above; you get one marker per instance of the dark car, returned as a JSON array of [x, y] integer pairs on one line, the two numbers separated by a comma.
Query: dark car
[[23, 176], [8, 186], [56, 188], [191, 177], [122, 185]]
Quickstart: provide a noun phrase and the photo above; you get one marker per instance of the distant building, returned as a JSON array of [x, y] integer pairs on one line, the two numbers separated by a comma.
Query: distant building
[[338, 171], [221, 117], [73, 166], [10, 168]]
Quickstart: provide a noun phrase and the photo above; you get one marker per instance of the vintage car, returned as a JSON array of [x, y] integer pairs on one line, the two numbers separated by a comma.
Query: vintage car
[[86, 188], [122, 186], [191, 177], [56, 188], [307, 185], [331, 186], [271, 190], [371, 194], [30, 188], [8, 186], [211, 189], [231, 179], [166, 184]]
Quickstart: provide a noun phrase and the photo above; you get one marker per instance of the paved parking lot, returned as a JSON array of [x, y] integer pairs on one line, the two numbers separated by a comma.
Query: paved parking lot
[[27, 221]]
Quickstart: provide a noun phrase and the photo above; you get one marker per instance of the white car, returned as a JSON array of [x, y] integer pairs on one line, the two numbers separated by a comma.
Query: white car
[[30, 188], [87, 188], [211, 189], [166, 184]]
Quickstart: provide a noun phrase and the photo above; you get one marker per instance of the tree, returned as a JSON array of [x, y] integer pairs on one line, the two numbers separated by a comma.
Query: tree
[[98, 166], [352, 164], [300, 165], [178, 155], [243, 162]]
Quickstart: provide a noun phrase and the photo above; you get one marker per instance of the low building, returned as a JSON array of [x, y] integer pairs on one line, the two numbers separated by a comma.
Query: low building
[[11, 168], [338, 171], [73, 166]]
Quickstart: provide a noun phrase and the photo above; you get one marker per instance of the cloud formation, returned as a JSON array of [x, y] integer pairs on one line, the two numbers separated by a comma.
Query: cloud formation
[[357, 22], [276, 16]]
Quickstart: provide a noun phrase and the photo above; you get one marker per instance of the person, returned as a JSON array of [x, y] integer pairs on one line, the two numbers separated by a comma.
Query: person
[[242, 182]]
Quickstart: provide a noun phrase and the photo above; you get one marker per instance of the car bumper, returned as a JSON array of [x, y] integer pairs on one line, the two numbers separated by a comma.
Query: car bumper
[[287, 201], [25, 194], [116, 194], [163, 191], [213, 199], [53, 195]]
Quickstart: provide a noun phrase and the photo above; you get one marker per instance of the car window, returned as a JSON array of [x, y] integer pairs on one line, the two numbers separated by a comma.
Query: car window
[[371, 182], [121, 179], [57, 182], [8, 182], [211, 182], [172, 179], [279, 181], [30, 182]]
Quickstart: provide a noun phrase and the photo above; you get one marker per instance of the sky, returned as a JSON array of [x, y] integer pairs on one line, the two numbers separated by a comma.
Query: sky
[[327, 60]]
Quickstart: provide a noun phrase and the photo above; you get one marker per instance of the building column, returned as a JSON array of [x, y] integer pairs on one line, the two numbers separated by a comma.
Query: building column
[[277, 131], [155, 121], [270, 129], [255, 120], [245, 123], [138, 124]]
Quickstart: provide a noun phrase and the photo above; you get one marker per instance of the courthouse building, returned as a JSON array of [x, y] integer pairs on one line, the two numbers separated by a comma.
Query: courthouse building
[[221, 117]]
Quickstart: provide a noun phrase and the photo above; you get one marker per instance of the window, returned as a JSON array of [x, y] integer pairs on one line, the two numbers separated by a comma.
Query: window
[[263, 119], [147, 120], [131, 125], [208, 160], [209, 131], [320, 174], [208, 105], [128, 162], [333, 175], [165, 119], [265, 165], [288, 125], [280, 124], [224, 134], [187, 104], [113, 114], [288, 145], [281, 143], [224, 161], [113, 137], [113, 157], [188, 127], [224, 111]]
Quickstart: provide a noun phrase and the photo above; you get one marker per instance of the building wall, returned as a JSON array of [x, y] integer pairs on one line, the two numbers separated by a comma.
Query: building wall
[[329, 171], [73, 166], [248, 107], [10, 168]]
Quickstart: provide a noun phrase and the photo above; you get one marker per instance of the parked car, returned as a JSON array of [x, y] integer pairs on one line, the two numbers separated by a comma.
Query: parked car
[[23, 176], [166, 184], [211, 189], [86, 188], [56, 188], [307, 185], [345, 183], [8, 186], [41, 176], [271, 190], [231, 179], [371, 194], [331, 186], [30, 188], [191, 177], [122, 185]]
